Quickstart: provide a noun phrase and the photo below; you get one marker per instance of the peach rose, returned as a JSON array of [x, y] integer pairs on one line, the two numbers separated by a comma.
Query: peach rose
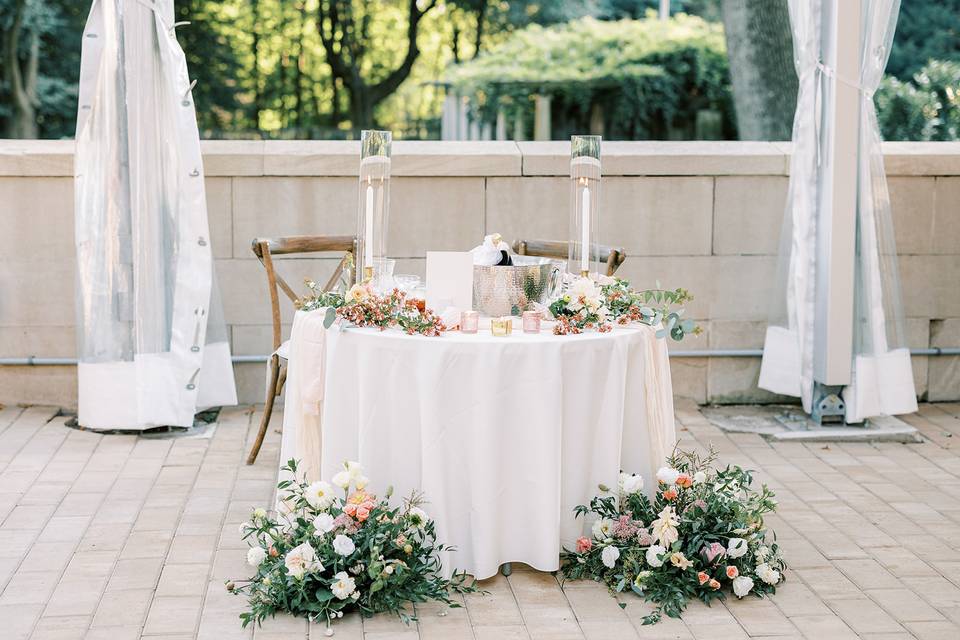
[[362, 513], [670, 494], [584, 544], [684, 480], [703, 577], [714, 584], [350, 510], [732, 572]]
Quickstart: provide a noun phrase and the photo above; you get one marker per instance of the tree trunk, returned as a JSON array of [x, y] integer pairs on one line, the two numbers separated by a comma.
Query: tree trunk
[[760, 51], [481, 17], [21, 80], [257, 89], [361, 107]]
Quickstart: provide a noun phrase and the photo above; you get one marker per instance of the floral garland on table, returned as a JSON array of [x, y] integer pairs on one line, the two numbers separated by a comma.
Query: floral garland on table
[[703, 531], [326, 554], [364, 307], [597, 304]]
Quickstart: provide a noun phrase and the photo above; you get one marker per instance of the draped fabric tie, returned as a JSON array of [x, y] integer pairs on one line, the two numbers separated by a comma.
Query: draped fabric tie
[[827, 71]]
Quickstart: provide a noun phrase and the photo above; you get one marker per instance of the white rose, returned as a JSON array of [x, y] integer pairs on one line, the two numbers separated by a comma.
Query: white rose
[[319, 495], [609, 556], [666, 475], [630, 484], [302, 559], [602, 528], [699, 477], [342, 479], [767, 573], [343, 586], [362, 482], [323, 523], [343, 545], [742, 586], [418, 517], [736, 547], [255, 556], [653, 555], [355, 469], [763, 552], [388, 569]]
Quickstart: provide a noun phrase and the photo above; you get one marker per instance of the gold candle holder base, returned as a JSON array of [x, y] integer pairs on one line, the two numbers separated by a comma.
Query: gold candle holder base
[[367, 274], [501, 327], [585, 273]]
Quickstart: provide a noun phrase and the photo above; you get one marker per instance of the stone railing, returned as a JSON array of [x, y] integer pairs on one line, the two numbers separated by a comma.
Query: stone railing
[[703, 215]]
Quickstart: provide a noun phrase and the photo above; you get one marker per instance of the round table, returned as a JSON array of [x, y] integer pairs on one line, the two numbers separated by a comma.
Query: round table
[[503, 435]]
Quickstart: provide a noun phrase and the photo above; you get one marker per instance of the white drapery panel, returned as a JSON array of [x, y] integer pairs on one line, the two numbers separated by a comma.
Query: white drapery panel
[[787, 366], [152, 343], [882, 379]]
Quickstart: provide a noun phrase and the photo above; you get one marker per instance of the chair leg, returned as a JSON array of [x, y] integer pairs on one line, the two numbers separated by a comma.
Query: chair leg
[[267, 409]]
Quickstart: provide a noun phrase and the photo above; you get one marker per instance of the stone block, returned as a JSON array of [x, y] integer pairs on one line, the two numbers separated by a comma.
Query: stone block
[[689, 376], [946, 216], [244, 290], [658, 158], [528, 208], [656, 216], [233, 157], [220, 215], [53, 385], [281, 206], [944, 371], [37, 219], [912, 206], [37, 293], [436, 214], [748, 214], [44, 342]]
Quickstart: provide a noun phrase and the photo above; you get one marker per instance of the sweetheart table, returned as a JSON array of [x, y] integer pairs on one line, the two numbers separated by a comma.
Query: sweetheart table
[[504, 435]]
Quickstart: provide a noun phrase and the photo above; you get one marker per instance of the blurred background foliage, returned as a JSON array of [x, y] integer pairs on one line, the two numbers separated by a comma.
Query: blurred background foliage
[[316, 69]]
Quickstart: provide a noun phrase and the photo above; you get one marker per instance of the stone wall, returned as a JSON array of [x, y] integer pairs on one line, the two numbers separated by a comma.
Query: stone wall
[[702, 215]]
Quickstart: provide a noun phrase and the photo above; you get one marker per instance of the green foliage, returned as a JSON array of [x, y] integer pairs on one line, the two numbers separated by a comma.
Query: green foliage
[[394, 561], [926, 30], [650, 77], [683, 544], [928, 108]]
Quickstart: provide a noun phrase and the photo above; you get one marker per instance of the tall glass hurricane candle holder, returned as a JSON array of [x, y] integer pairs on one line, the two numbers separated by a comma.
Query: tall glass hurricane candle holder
[[374, 207], [584, 204]]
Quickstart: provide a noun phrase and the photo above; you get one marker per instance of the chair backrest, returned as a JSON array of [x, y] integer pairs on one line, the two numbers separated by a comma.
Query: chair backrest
[[610, 256], [266, 248]]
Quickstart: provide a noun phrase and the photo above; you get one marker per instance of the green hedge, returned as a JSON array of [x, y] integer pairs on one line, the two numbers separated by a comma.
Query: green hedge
[[650, 77], [928, 108]]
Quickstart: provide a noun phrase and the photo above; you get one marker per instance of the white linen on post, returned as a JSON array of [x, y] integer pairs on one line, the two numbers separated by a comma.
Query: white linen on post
[[504, 436]]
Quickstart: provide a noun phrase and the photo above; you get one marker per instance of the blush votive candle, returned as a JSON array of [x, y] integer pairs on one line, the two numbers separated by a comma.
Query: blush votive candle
[[469, 321], [531, 321]]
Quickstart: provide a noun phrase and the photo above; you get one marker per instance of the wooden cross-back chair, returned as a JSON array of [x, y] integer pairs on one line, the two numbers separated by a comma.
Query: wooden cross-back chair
[[610, 256], [265, 249]]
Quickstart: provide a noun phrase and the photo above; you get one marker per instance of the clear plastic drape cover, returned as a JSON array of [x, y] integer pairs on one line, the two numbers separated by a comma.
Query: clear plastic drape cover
[[152, 343], [882, 382]]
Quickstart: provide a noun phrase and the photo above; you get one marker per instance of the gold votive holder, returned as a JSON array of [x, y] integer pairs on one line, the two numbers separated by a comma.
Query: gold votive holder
[[469, 321], [531, 321], [501, 326]]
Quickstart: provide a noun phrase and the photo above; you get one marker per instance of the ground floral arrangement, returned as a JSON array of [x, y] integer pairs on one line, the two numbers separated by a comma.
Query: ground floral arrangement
[[702, 533], [333, 548], [597, 304], [364, 307]]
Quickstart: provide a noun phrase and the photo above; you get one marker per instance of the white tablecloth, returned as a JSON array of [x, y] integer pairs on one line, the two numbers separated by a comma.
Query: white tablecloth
[[503, 435]]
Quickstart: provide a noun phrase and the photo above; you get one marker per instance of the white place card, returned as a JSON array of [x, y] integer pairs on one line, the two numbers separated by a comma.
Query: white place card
[[449, 280]]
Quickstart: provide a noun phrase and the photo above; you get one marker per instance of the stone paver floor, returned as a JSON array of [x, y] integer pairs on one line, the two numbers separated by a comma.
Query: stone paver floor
[[117, 537]]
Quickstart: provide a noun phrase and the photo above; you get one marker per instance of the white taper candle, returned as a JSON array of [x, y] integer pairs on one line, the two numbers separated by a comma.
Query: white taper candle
[[368, 230], [585, 230]]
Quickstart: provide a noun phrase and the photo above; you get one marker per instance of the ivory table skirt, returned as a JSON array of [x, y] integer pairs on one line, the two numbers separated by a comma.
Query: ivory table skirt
[[504, 436]]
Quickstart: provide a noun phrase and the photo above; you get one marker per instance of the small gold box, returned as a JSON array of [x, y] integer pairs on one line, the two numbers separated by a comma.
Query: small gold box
[[501, 326]]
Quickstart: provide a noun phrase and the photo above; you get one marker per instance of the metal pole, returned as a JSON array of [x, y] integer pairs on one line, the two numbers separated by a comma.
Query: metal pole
[[664, 9]]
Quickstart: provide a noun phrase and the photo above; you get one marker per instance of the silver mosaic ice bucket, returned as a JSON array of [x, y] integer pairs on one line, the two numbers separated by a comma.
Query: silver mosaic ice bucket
[[503, 291]]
